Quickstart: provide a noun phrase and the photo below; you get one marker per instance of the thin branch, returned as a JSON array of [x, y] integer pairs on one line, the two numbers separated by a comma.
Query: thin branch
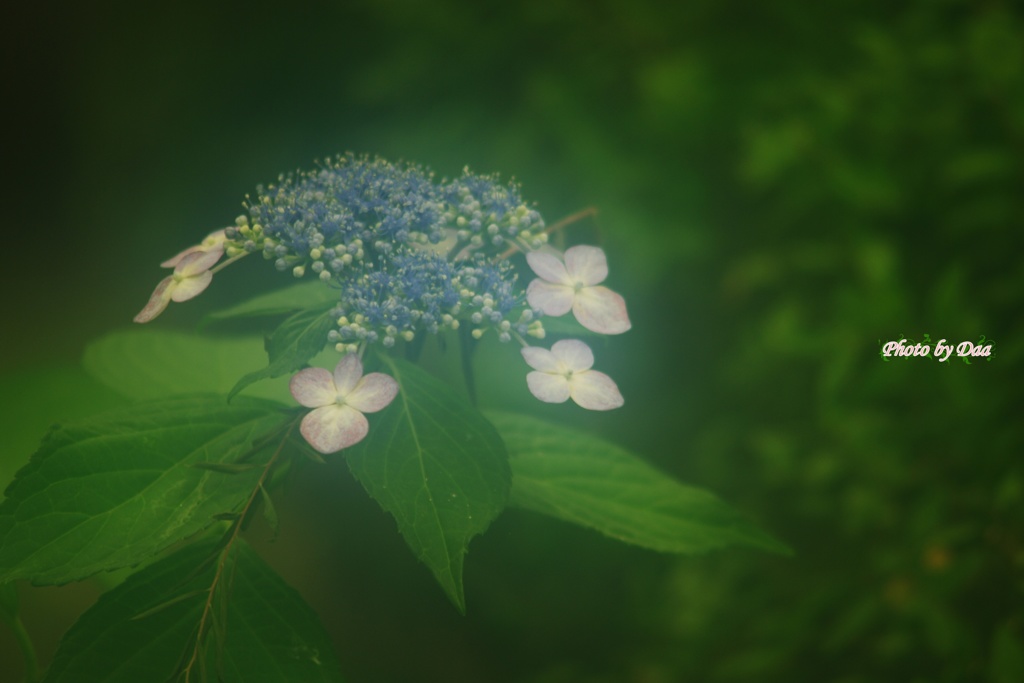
[[28, 651], [467, 347], [558, 225], [222, 560]]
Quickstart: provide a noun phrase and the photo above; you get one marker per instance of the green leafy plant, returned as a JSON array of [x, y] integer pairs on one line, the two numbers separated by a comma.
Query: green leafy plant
[[167, 484]]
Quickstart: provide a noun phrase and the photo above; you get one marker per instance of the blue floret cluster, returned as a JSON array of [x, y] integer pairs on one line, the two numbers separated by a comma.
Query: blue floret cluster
[[407, 254]]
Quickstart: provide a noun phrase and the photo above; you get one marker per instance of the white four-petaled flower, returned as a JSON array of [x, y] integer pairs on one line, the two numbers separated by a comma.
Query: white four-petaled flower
[[574, 285], [565, 372], [339, 400], [190, 277]]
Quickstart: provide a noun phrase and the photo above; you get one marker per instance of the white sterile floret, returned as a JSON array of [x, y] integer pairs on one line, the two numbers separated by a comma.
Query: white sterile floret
[[565, 372], [339, 400], [574, 285], [211, 244], [190, 277]]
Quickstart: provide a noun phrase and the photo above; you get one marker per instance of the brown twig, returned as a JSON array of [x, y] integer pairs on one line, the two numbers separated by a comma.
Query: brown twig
[[226, 551], [568, 220]]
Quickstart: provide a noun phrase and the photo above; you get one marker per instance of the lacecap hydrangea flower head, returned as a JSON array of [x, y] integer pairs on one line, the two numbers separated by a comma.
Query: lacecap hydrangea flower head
[[409, 256]]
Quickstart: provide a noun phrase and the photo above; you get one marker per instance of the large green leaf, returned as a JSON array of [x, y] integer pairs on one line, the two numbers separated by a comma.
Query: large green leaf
[[112, 490], [147, 364], [37, 397], [278, 302], [270, 634], [585, 480], [438, 466], [292, 344]]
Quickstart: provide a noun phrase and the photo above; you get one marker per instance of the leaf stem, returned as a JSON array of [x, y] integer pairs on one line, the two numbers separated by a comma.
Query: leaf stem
[[222, 560], [28, 651], [414, 349], [568, 220], [216, 269], [467, 347]]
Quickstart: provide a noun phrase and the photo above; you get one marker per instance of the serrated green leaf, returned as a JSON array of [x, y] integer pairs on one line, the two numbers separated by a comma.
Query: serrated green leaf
[[143, 629], [172, 601], [278, 302], [227, 516], [227, 467], [438, 466], [314, 456], [110, 491], [149, 364], [292, 344], [583, 479], [38, 397]]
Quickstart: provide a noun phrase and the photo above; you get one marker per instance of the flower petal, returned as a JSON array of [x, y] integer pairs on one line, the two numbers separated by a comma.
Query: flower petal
[[331, 428], [215, 238], [540, 359], [374, 392], [176, 259], [198, 261], [550, 298], [599, 309], [347, 373], [313, 388], [547, 387], [158, 301], [548, 267], [576, 355], [586, 264], [190, 287], [594, 390]]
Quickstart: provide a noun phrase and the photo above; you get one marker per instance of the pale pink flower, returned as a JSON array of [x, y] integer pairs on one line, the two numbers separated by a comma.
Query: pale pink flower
[[574, 285], [190, 277], [565, 372], [212, 243], [339, 401]]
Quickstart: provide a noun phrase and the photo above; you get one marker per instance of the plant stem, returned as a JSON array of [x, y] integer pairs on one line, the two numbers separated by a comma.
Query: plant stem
[[28, 651], [219, 575], [414, 349], [568, 220], [467, 346], [216, 269]]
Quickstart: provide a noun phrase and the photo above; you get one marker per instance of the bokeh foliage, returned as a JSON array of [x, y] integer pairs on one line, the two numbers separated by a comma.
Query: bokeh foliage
[[780, 187]]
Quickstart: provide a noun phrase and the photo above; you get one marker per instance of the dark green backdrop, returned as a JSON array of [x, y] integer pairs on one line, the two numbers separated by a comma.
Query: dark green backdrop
[[780, 189]]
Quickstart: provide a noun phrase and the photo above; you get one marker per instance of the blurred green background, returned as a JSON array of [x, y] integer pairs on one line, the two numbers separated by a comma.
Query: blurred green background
[[780, 187]]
